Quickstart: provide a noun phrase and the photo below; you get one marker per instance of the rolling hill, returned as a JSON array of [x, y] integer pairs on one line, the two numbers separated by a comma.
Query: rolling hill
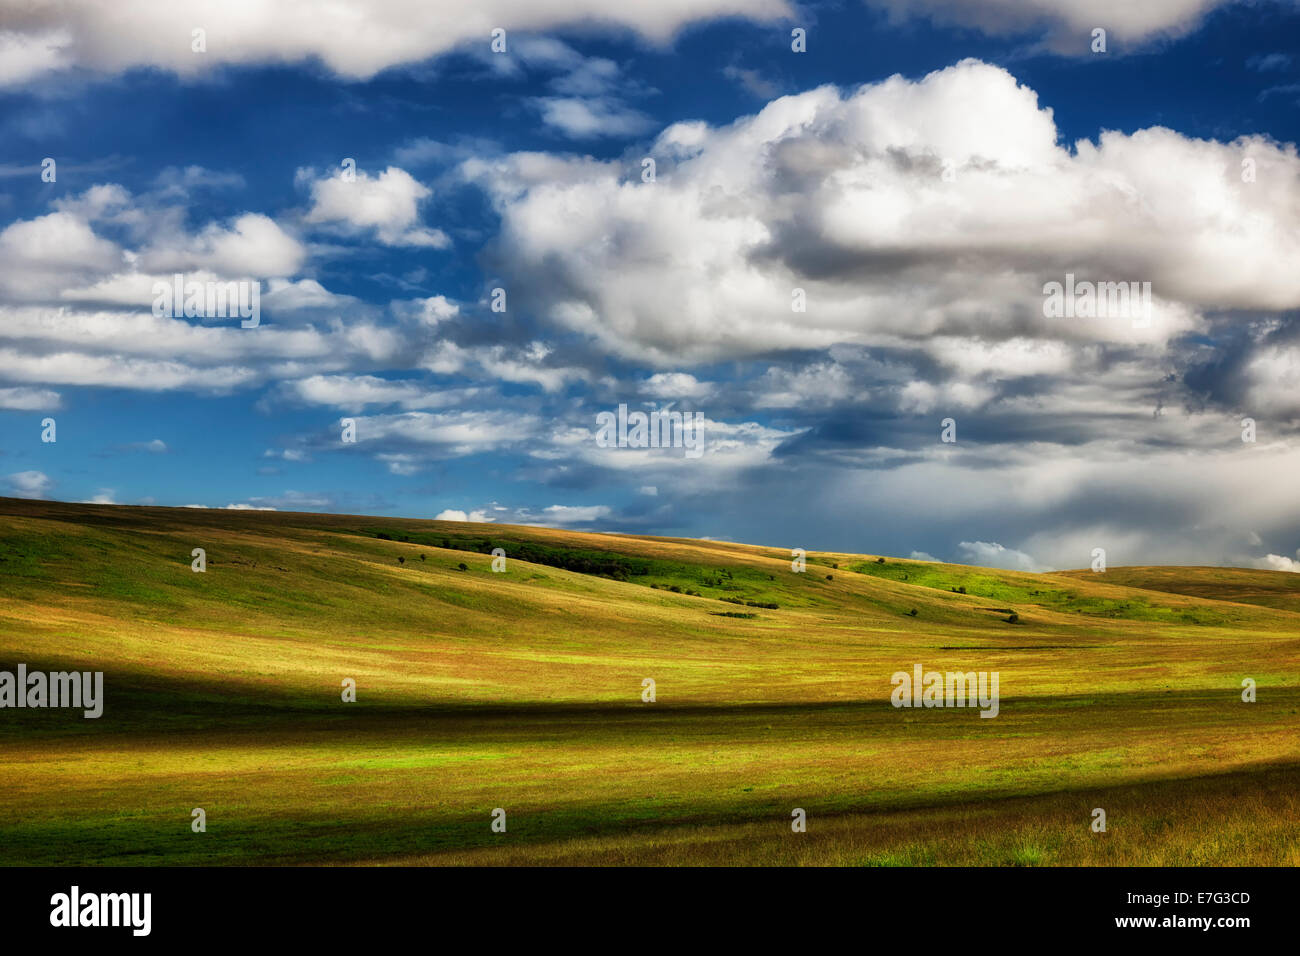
[[522, 690]]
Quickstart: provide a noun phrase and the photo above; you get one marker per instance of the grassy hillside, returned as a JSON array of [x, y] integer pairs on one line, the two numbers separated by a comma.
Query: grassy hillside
[[1236, 585], [522, 690]]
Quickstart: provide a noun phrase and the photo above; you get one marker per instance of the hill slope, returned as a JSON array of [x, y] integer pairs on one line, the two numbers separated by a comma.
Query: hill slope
[[1276, 589], [523, 690]]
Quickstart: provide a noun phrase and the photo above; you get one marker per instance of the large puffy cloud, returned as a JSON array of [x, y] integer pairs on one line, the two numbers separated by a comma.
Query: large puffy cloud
[[353, 38], [253, 245], [922, 220], [906, 212], [1279, 562], [386, 205], [39, 256]]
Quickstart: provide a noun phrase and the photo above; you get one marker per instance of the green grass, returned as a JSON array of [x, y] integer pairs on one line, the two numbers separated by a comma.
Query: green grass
[[522, 690], [1019, 589], [737, 582]]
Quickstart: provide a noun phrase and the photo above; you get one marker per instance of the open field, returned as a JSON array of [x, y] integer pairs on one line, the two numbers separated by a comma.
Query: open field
[[522, 690]]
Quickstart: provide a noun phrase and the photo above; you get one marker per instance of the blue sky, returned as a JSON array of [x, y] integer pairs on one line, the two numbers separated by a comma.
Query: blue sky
[[920, 172]]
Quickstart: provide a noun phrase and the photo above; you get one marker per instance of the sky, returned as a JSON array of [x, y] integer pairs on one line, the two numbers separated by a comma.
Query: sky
[[840, 256]]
